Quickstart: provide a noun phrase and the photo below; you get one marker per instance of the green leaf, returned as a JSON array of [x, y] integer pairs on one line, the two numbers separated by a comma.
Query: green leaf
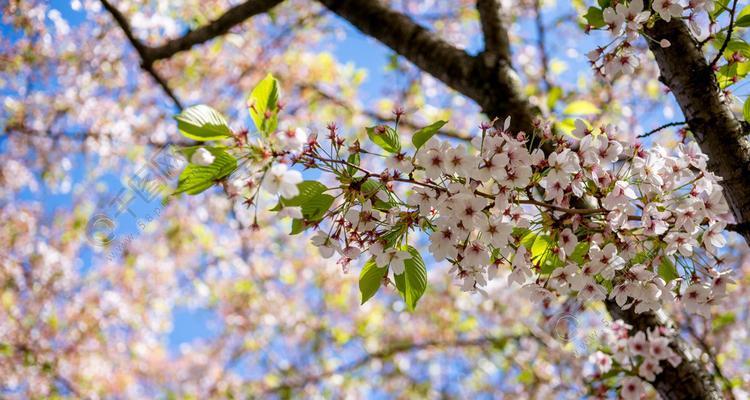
[[737, 45], [370, 279], [723, 320], [542, 254], [392, 237], [580, 252], [746, 109], [594, 17], [311, 199], [202, 123], [528, 240], [667, 270], [298, 226], [554, 94], [640, 258], [370, 189], [526, 376], [413, 282], [387, 140], [265, 98], [353, 159], [743, 21], [541, 244], [196, 178], [725, 75], [421, 136], [719, 7], [581, 107]]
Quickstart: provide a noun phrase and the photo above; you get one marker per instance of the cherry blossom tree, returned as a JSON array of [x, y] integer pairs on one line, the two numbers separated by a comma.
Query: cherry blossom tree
[[475, 231]]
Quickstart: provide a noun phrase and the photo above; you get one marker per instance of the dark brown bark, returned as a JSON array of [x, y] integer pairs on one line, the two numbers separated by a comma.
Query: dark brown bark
[[142, 51], [495, 35], [690, 379], [487, 79], [721, 136]]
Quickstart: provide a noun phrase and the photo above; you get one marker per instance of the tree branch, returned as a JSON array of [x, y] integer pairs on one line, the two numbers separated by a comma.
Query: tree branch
[[690, 379], [665, 126], [386, 353], [707, 349], [729, 35], [218, 27], [489, 81], [143, 52], [719, 133], [540, 43], [496, 40]]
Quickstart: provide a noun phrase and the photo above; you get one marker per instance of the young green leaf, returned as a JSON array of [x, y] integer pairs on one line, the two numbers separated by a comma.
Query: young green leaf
[[385, 137], [196, 178], [370, 279], [667, 270], [202, 123], [581, 107], [594, 17], [746, 110], [298, 226], [353, 159], [312, 200], [421, 136], [413, 282], [263, 103], [580, 252]]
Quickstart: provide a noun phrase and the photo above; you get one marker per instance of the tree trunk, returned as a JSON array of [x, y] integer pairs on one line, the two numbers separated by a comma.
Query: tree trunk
[[720, 135]]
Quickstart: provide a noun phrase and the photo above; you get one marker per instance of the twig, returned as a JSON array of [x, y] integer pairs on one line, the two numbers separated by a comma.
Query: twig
[[376, 116], [540, 32], [728, 38], [303, 381], [706, 349], [651, 132]]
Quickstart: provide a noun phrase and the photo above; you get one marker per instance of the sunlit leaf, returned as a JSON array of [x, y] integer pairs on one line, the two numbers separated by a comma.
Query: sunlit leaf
[[197, 178], [423, 135], [667, 270], [581, 107], [370, 279], [385, 137], [202, 122], [413, 282], [263, 105], [594, 17]]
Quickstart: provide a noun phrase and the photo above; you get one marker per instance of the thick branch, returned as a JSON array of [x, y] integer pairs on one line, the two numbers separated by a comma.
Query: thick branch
[[490, 82], [142, 50], [721, 136], [690, 379], [496, 40], [218, 27]]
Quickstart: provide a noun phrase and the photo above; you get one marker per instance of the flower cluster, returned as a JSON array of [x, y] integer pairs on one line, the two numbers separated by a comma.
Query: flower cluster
[[590, 218], [636, 357], [625, 21]]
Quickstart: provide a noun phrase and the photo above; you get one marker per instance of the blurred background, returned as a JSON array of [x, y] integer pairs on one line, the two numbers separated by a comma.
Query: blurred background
[[187, 300]]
